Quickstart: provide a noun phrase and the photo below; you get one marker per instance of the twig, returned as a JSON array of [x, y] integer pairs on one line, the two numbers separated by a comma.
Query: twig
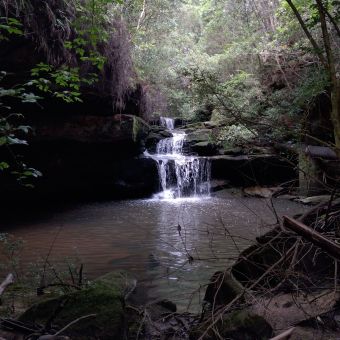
[[80, 280], [54, 336]]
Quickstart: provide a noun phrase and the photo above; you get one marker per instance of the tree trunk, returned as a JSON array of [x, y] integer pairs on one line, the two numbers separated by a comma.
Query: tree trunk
[[335, 114], [335, 88]]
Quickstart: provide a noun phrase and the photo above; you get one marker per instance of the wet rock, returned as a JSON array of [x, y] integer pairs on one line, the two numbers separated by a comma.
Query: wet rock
[[104, 297], [238, 325], [151, 140], [204, 148], [165, 134], [155, 135]]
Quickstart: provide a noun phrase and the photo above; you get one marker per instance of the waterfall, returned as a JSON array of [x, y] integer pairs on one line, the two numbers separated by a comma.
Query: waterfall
[[169, 123], [180, 175]]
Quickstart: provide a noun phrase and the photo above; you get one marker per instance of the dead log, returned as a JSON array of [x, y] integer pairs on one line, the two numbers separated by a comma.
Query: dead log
[[8, 281], [312, 236]]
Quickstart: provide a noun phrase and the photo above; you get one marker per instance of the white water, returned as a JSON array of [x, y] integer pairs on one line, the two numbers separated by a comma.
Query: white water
[[180, 175], [169, 123]]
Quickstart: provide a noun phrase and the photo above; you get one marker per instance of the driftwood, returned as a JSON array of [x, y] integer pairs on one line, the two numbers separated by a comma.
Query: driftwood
[[312, 236], [8, 281]]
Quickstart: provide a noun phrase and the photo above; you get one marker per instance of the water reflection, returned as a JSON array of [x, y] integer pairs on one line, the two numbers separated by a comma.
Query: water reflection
[[172, 247]]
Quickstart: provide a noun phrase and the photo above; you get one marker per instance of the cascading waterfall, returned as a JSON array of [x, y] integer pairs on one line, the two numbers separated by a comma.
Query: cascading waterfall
[[180, 175]]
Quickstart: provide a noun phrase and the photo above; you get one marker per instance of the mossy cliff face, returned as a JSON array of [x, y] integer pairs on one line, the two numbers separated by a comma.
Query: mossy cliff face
[[104, 298]]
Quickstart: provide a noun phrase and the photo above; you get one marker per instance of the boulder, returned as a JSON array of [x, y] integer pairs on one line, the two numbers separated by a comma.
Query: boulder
[[104, 298]]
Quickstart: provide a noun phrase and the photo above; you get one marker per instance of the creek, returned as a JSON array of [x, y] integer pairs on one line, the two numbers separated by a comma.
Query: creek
[[172, 243]]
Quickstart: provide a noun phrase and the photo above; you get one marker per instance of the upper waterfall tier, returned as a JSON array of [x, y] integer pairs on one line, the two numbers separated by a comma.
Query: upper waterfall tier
[[169, 123]]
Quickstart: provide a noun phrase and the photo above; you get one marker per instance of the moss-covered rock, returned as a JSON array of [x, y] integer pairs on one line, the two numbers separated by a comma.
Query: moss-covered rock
[[104, 298], [238, 325], [140, 128], [222, 289]]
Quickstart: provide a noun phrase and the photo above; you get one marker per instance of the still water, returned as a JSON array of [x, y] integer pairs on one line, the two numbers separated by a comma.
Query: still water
[[171, 246]]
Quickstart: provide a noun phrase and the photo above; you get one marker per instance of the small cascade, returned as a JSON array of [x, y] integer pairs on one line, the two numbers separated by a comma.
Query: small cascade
[[180, 175], [168, 123], [172, 145]]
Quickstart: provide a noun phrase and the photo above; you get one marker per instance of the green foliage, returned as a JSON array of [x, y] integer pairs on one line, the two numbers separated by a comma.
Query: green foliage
[[8, 27], [10, 132], [79, 46], [63, 82]]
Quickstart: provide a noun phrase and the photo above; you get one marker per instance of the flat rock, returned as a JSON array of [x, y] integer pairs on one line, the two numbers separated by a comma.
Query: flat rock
[[313, 199], [263, 192]]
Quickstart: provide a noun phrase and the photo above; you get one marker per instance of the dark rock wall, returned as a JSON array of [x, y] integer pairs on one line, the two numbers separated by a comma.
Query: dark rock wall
[[85, 157], [251, 170]]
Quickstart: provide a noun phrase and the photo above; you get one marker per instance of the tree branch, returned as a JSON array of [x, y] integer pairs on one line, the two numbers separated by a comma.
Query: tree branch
[[308, 34]]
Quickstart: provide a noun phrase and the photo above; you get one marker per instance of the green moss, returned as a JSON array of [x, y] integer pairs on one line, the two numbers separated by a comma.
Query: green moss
[[139, 128], [103, 298]]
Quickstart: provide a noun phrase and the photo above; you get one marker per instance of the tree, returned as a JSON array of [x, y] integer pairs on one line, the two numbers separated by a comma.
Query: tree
[[329, 62]]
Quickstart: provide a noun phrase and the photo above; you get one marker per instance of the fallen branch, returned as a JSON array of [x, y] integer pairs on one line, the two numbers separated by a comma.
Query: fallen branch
[[284, 335], [8, 281], [238, 296], [312, 236]]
